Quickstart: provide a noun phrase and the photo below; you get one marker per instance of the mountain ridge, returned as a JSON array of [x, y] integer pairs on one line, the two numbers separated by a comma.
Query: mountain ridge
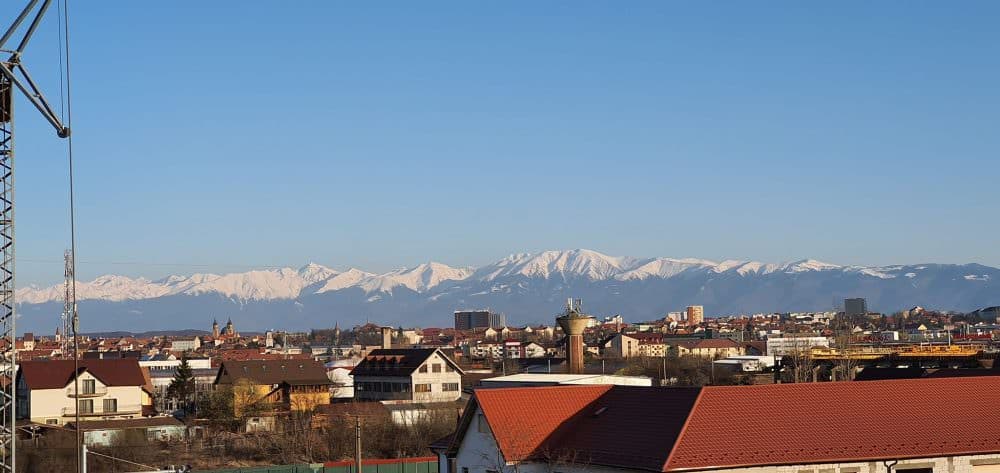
[[526, 285]]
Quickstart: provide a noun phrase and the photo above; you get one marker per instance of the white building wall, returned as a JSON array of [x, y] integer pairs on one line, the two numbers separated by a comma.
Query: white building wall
[[479, 453], [48, 404], [343, 382], [437, 381], [780, 346]]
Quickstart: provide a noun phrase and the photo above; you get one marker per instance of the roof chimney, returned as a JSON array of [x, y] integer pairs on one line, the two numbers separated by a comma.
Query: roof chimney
[[386, 337]]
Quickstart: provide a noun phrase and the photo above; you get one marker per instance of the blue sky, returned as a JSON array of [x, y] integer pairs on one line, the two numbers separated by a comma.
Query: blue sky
[[215, 136]]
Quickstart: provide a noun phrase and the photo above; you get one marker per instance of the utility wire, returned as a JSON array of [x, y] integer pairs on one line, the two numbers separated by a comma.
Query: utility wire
[[123, 460], [68, 123]]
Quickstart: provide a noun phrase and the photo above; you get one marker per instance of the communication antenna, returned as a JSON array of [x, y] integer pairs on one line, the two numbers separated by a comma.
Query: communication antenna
[[69, 303]]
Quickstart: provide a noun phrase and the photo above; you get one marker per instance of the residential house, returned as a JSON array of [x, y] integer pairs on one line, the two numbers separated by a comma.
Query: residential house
[[407, 374], [878, 426], [709, 348], [185, 344], [108, 389], [277, 385]]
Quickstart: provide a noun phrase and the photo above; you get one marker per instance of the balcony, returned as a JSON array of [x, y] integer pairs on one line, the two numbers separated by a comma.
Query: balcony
[[96, 392], [98, 411]]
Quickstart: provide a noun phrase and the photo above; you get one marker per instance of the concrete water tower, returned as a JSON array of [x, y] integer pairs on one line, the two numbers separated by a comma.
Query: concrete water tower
[[573, 323]]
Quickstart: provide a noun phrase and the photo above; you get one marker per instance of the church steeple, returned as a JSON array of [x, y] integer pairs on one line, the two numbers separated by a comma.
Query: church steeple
[[215, 328]]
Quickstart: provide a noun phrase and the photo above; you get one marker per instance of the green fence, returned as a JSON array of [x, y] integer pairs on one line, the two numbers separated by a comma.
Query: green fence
[[402, 465]]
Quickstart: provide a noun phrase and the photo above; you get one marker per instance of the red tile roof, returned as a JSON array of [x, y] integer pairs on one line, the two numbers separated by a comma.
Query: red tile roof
[[675, 429], [58, 373], [838, 422], [521, 419]]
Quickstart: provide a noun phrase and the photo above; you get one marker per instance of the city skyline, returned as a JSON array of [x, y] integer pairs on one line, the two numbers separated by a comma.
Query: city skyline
[[377, 137]]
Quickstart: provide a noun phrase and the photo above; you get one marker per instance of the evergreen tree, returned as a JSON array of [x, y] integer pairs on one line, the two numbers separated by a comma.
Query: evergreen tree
[[182, 386]]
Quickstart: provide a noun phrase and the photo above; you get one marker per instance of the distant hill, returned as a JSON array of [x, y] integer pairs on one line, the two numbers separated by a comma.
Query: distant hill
[[527, 287]]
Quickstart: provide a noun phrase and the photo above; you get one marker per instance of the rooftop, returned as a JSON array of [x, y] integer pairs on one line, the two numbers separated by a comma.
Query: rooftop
[[674, 429]]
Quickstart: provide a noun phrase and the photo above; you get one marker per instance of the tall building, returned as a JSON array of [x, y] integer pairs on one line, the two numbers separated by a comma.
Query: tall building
[[856, 306], [695, 314], [483, 318]]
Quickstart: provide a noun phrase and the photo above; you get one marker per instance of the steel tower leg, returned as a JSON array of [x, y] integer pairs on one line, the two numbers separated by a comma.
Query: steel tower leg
[[8, 364]]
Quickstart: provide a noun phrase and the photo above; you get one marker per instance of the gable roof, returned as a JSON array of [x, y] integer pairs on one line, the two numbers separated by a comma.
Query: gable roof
[[273, 372], [397, 361], [620, 430], [679, 429], [839, 422], [56, 374], [521, 419]]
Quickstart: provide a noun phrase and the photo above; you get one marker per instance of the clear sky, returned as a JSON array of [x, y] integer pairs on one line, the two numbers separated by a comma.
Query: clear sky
[[215, 136]]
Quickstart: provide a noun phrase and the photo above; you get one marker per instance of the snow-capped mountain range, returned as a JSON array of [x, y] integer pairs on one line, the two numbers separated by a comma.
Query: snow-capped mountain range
[[524, 285]]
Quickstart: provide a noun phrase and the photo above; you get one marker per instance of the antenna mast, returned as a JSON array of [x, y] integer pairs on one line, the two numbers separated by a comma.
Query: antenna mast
[[14, 75], [66, 342]]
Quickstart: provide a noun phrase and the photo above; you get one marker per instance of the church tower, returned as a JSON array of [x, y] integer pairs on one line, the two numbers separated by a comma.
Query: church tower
[[215, 328]]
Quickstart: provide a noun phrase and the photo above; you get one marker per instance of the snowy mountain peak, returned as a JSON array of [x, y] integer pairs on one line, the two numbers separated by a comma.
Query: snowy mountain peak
[[809, 265], [580, 263], [313, 273], [562, 266]]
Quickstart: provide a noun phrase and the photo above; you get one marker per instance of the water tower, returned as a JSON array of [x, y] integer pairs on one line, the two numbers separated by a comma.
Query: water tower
[[573, 323]]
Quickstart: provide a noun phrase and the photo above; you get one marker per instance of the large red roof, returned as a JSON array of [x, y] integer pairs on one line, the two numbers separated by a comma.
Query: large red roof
[[675, 429], [521, 419], [56, 374], [838, 422]]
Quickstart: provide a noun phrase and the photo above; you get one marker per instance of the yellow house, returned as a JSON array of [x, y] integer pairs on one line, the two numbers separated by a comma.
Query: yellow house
[[275, 385]]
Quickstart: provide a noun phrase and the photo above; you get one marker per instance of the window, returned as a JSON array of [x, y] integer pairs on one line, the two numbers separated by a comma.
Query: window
[[465, 469], [87, 406], [437, 367], [422, 388], [52, 421], [423, 368], [450, 386], [89, 386], [110, 405]]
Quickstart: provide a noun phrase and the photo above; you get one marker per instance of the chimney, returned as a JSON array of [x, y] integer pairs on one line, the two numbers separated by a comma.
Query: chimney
[[573, 324], [386, 337]]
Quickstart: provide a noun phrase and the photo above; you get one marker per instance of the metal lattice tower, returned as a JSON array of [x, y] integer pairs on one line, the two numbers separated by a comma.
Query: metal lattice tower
[[69, 300], [13, 75], [7, 363]]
